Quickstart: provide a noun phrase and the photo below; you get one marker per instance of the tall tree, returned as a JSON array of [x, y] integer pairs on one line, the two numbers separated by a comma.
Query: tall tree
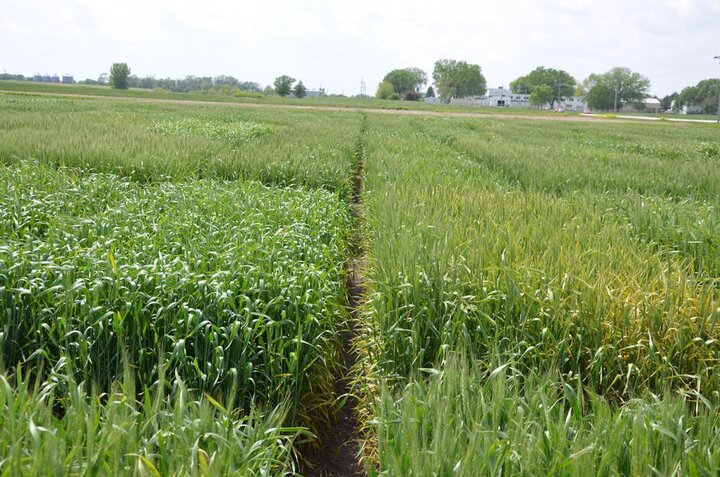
[[599, 94], [300, 90], [421, 77], [119, 74], [542, 94], [406, 79], [459, 79], [283, 85], [615, 88], [560, 83]]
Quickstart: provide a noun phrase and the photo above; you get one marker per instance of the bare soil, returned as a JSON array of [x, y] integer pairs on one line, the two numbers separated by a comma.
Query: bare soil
[[340, 445], [339, 451]]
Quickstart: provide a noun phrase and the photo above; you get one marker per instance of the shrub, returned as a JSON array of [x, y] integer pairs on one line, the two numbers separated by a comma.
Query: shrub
[[413, 96], [385, 90]]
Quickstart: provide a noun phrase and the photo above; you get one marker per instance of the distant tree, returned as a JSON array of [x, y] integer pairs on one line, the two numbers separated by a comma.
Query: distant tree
[[598, 94], [615, 88], [430, 92], [269, 90], [222, 80], [520, 85], [300, 90], [560, 83], [667, 101], [384, 90], [445, 87], [103, 78], [704, 94], [421, 78], [542, 94], [12, 77], [249, 86], [406, 79], [119, 74], [147, 82], [283, 85], [458, 79]]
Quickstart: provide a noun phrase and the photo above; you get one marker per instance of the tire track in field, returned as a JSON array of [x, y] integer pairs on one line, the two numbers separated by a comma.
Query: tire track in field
[[340, 444]]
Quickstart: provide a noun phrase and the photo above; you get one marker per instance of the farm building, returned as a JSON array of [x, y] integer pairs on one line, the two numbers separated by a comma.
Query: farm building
[[504, 98], [649, 105], [496, 97], [65, 79], [574, 103], [312, 93]]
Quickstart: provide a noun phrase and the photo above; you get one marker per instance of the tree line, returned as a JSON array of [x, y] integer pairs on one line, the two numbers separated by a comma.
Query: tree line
[[453, 79], [121, 78], [609, 91]]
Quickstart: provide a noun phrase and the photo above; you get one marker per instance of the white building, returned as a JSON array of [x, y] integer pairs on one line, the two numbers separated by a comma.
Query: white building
[[648, 105], [319, 93], [504, 98], [311, 93], [573, 103], [497, 98], [653, 105]]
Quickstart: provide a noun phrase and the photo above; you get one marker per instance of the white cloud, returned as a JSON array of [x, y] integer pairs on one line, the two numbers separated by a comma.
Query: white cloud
[[335, 43]]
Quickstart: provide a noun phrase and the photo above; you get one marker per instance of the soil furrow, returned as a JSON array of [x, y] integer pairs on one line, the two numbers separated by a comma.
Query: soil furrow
[[338, 455]]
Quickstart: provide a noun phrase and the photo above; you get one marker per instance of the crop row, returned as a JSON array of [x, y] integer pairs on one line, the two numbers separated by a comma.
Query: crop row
[[233, 289], [542, 297], [523, 246], [151, 142]]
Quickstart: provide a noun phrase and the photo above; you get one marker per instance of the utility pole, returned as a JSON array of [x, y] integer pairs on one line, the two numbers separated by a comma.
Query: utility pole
[[718, 93], [558, 96], [617, 88]]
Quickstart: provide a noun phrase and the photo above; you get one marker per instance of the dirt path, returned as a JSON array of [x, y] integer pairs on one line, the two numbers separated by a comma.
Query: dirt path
[[340, 444], [406, 112], [663, 118]]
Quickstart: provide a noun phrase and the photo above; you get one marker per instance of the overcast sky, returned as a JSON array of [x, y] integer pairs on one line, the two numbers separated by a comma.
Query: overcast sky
[[336, 43]]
